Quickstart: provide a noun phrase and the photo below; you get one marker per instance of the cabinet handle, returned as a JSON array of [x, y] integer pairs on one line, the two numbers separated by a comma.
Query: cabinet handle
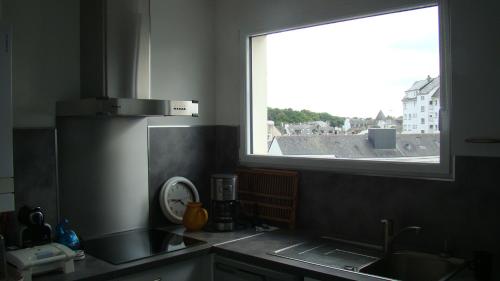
[[482, 140]]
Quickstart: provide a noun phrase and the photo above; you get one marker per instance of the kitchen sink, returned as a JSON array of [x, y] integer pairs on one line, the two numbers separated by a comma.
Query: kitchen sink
[[369, 259], [409, 266]]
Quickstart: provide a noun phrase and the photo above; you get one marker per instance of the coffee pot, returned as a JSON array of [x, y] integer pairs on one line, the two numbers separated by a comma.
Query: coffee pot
[[224, 204]]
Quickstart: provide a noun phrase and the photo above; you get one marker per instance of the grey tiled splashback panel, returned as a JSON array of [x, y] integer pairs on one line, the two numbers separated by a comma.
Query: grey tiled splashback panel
[[180, 151], [35, 173], [464, 212]]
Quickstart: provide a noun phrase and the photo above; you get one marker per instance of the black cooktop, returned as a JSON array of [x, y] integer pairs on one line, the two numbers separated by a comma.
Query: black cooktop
[[136, 244]]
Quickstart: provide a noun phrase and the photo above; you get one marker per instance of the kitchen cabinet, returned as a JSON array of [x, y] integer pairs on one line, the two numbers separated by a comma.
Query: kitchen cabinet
[[475, 96], [231, 270], [6, 162], [194, 269]]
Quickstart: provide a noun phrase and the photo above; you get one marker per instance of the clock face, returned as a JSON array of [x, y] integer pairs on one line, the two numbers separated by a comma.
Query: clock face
[[178, 196], [175, 194]]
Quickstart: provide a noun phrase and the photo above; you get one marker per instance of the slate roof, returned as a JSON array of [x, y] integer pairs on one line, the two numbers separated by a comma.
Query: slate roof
[[418, 85], [358, 146], [425, 87], [437, 93], [430, 86]]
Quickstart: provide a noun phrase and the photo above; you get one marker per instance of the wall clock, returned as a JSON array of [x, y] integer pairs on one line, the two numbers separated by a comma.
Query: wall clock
[[174, 197]]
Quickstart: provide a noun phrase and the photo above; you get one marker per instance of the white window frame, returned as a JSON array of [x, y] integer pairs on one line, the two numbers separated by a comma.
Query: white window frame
[[441, 171]]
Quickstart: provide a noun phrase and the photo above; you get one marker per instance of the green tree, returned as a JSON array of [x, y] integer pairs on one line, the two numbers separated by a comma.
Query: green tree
[[290, 116]]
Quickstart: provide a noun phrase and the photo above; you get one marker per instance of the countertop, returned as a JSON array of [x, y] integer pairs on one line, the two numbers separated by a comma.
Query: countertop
[[255, 250], [95, 269], [248, 246]]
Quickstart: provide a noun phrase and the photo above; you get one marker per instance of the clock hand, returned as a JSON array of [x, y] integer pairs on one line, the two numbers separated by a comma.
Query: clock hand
[[178, 200]]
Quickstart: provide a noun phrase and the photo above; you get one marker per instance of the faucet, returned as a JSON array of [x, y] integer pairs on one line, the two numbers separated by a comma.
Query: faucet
[[389, 235]]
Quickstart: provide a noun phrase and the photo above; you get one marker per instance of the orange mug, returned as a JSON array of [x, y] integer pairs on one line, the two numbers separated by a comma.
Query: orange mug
[[195, 216]]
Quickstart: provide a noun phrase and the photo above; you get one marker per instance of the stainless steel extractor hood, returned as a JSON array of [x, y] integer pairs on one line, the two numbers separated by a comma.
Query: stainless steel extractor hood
[[115, 63]]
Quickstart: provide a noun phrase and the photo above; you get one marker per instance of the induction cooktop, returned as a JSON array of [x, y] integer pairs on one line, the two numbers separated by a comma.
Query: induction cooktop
[[133, 245]]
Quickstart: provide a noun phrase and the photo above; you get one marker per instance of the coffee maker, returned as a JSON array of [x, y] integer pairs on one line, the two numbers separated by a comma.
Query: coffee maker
[[224, 205]]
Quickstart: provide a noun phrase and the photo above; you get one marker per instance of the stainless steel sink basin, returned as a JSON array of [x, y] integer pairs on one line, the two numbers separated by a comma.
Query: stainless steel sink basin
[[409, 266]]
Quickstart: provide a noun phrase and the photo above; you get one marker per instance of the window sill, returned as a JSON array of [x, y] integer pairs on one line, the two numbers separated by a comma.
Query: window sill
[[384, 168]]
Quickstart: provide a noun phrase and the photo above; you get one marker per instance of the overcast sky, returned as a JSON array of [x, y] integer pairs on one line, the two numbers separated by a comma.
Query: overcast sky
[[353, 68]]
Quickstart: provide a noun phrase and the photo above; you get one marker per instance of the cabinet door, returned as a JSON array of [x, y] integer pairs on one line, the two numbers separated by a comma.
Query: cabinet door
[[231, 270], [6, 165], [6, 169], [224, 272], [475, 46], [195, 269]]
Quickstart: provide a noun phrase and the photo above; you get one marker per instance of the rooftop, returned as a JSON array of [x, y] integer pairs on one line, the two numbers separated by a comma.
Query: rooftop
[[358, 146]]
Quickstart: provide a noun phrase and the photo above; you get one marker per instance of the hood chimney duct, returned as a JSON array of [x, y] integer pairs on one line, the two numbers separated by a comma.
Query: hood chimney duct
[[115, 63]]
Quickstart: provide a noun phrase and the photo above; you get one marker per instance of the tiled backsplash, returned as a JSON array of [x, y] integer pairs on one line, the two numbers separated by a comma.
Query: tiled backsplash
[[35, 174], [463, 212], [180, 151]]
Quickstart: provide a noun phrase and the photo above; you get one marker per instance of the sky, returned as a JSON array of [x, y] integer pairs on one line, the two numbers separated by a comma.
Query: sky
[[353, 68]]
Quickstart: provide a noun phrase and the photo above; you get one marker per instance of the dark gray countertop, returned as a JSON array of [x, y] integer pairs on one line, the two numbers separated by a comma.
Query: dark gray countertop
[[255, 250], [95, 269], [247, 246]]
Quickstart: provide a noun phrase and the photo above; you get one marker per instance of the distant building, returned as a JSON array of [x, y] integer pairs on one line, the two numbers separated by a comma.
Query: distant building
[[356, 126], [421, 107], [347, 125], [310, 128], [272, 131]]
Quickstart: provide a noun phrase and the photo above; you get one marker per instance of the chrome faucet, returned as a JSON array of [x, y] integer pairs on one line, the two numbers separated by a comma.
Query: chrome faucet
[[389, 235]]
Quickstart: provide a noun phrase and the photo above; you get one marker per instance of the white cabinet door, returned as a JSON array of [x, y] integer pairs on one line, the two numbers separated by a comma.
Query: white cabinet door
[[195, 269], [475, 46]]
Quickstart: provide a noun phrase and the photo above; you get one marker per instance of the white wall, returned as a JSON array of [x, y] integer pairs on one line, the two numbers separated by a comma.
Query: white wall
[[46, 62], [183, 57], [263, 15]]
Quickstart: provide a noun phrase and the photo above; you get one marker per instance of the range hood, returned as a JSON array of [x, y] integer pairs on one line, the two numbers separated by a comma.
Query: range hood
[[115, 63]]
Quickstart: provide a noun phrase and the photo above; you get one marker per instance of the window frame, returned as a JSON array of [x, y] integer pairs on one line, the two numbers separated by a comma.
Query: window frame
[[442, 171]]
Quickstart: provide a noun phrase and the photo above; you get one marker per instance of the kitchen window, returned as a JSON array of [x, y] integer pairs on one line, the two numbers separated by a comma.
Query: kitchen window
[[335, 95]]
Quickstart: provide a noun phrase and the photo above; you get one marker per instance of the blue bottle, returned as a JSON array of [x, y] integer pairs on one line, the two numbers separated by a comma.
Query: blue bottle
[[66, 236]]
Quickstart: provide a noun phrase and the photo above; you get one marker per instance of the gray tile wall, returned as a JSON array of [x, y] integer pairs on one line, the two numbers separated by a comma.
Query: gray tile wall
[[180, 151], [35, 173], [464, 212]]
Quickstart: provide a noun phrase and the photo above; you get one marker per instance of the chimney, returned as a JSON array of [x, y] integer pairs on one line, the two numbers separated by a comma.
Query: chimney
[[382, 138]]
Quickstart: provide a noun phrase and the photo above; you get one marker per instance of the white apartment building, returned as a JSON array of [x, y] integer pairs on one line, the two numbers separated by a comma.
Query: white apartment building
[[421, 107]]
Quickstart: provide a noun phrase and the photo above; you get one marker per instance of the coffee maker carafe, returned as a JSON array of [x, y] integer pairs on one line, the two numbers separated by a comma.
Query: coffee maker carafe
[[224, 204]]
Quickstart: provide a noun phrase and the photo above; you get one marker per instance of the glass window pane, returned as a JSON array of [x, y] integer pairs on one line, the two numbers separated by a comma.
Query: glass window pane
[[361, 89]]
